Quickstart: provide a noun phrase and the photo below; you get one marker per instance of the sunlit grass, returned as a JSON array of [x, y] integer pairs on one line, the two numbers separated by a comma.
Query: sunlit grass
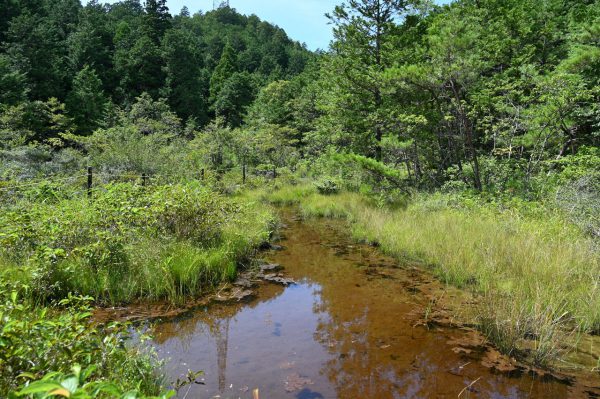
[[538, 279], [112, 253]]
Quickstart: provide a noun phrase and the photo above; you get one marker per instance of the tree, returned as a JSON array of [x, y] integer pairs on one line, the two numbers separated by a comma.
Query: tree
[[234, 98], [156, 20], [13, 83], [141, 68], [273, 104], [8, 10], [363, 33], [185, 12], [86, 102], [152, 117], [92, 44], [225, 69], [186, 81]]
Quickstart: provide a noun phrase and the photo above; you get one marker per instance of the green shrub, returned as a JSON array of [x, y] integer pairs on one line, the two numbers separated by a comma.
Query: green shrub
[[327, 186], [120, 245], [35, 340]]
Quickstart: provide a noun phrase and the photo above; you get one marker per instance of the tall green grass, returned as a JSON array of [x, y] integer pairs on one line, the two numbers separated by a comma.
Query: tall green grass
[[539, 278], [130, 243]]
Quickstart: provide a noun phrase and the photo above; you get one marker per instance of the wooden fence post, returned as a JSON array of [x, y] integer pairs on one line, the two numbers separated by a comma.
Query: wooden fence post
[[89, 181], [244, 173], [202, 174], [144, 177]]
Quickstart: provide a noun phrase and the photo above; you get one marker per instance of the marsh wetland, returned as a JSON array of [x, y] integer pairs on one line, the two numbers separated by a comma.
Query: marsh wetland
[[356, 324]]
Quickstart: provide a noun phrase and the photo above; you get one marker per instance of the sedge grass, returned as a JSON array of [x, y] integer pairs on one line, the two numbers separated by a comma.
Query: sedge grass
[[538, 278]]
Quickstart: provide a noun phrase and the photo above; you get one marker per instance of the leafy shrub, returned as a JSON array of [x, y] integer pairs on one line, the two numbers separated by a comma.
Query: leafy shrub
[[580, 199], [76, 385], [34, 340], [119, 246], [327, 187]]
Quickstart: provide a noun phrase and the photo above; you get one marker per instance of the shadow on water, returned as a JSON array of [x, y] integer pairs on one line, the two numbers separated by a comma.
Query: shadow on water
[[348, 329]]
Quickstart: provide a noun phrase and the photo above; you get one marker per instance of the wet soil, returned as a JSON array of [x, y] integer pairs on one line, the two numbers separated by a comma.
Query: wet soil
[[356, 324]]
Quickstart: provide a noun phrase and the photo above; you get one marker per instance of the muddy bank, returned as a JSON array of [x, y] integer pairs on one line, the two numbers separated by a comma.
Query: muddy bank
[[243, 290]]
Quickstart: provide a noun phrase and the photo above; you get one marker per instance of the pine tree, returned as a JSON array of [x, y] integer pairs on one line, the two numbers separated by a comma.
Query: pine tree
[[225, 69], [13, 83], [86, 102], [186, 81], [363, 32], [157, 19]]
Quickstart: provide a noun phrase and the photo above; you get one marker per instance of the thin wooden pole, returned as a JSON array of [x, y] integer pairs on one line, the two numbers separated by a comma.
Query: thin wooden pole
[[89, 181], [144, 177]]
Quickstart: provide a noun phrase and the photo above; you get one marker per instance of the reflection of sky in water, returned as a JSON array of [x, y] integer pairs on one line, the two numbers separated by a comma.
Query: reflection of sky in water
[[264, 344], [350, 336]]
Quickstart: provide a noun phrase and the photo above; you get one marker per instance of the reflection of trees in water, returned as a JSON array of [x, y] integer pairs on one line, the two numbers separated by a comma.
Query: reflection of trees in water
[[352, 325], [221, 335], [354, 333], [213, 321], [356, 369]]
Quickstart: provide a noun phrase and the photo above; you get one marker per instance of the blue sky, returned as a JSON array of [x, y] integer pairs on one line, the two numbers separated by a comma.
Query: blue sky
[[303, 20]]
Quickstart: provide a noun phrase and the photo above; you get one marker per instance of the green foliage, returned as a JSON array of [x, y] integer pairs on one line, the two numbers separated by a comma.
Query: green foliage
[[50, 50], [225, 69], [35, 340], [327, 187], [187, 82], [86, 102], [13, 83], [75, 385], [378, 169], [130, 242], [234, 97]]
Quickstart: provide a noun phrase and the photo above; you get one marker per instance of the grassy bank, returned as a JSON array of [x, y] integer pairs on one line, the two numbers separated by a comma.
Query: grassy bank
[[129, 242], [538, 276]]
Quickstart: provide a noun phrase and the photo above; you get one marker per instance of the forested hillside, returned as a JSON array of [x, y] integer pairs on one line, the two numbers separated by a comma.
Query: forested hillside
[[96, 57]]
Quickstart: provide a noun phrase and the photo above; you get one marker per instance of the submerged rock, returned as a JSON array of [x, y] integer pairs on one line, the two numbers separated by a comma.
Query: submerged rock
[[279, 279], [237, 294], [274, 267], [295, 382], [243, 282]]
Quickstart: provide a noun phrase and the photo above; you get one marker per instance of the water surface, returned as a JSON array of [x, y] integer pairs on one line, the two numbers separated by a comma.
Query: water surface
[[349, 329]]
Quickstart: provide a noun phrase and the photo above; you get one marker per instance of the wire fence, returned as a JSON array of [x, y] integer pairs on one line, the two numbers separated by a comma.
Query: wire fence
[[93, 179]]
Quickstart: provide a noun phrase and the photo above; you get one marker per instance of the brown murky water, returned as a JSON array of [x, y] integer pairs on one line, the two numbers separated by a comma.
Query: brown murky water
[[349, 329]]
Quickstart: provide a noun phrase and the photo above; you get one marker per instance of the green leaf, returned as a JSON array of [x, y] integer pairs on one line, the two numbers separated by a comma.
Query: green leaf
[[71, 383], [39, 387]]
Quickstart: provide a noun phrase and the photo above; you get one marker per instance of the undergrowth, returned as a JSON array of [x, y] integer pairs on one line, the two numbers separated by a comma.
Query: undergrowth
[[37, 340], [129, 242]]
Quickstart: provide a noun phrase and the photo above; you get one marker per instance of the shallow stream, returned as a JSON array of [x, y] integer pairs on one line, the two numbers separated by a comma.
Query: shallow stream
[[351, 328]]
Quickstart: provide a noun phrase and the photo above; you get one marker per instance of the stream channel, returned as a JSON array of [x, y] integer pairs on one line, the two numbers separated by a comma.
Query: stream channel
[[352, 327]]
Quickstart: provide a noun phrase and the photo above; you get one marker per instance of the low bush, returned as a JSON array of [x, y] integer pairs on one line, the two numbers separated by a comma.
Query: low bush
[[129, 242], [35, 340], [327, 186]]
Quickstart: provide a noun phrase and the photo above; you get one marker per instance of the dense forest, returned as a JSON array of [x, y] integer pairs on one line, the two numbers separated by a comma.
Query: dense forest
[[453, 123], [484, 95]]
